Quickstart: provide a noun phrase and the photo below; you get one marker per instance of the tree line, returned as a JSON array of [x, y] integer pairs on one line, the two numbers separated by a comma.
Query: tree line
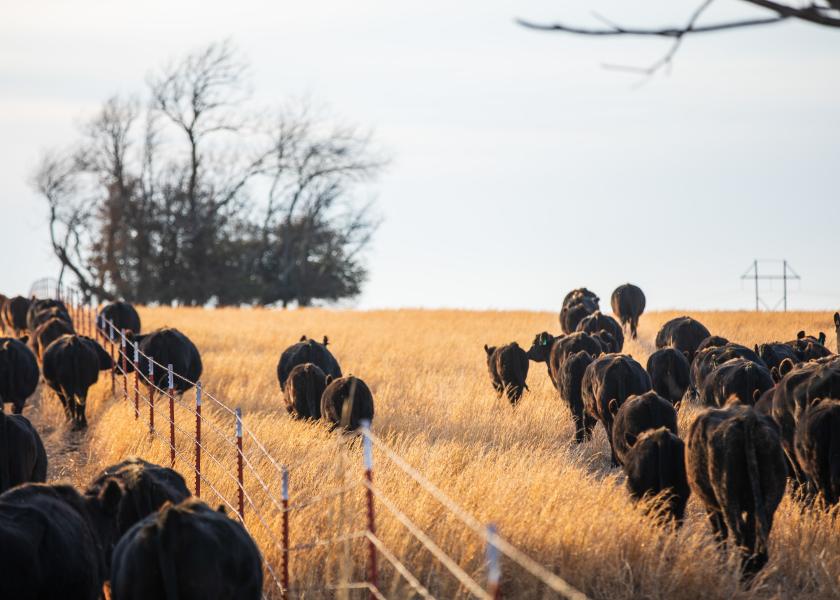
[[191, 193]]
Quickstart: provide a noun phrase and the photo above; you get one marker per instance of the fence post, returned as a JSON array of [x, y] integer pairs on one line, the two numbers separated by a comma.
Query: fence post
[[113, 357], [198, 439], [124, 361], [136, 381], [494, 571], [170, 391], [240, 465], [151, 395], [285, 561], [372, 575]]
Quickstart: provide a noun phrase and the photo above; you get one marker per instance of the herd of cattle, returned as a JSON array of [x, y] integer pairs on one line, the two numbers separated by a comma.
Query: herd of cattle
[[773, 415], [773, 412], [135, 525]]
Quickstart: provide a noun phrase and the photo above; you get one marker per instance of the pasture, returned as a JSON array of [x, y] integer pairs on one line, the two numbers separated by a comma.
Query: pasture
[[559, 502]]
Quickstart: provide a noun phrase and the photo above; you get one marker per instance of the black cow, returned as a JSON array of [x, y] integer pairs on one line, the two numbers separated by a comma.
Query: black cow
[[508, 367], [669, 374], [598, 321], [71, 365], [736, 377], [808, 347], [42, 310], [47, 333], [187, 551], [346, 402], [143, 488], [51, 545], [14, 314], [23, 458], [570, 379], [708, 359], [122, 315], [711, 342], [307, 351], [637, 415], [656, 464], [683, 333], [817, 443], [628, 304], [837, 329], [607, 383], [736, 466], [608, 342], [18, 373], [786, 413], [304, 388], [773, 353], [168, 346], [577, 305], [553, 350]]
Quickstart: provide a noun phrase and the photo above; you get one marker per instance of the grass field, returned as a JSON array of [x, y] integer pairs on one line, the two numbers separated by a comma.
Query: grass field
[[517, 468]]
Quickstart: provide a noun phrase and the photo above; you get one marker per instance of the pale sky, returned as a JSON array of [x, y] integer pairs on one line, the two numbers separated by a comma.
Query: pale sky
[[521, 168]]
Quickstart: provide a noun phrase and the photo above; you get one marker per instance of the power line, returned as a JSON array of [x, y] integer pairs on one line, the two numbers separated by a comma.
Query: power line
[[787, 273]]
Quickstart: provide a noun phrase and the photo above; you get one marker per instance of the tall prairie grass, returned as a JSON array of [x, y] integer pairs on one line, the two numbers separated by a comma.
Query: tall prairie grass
[[559, 502]]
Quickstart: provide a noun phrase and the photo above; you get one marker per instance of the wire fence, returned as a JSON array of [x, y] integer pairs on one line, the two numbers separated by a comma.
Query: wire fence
[[209, 439]]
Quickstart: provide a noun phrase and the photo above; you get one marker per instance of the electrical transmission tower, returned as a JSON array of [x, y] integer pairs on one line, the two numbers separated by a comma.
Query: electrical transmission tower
[[786, 274]]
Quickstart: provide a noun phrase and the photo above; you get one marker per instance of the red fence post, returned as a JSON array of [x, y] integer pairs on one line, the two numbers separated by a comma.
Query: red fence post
[[240, 466], [285, 560], [198, 439], [151, 396], [124, 360], [170, 391], [494, 571], [372, 574], [136, 381]]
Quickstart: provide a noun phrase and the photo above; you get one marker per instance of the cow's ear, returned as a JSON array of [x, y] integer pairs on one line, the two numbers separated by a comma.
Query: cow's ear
[[785, 367], [329, 379], [776, 375], [756, 395], [24, 339], [110, 496], [822, 338], [612, 405], [756, 348], [326, 341], [837, 319], [487, 349], [800, 335], [629, 439], [303, 338], [677, 404], [222, 509]]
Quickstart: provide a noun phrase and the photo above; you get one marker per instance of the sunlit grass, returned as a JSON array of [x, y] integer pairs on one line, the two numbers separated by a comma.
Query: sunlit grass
[[517, 468]]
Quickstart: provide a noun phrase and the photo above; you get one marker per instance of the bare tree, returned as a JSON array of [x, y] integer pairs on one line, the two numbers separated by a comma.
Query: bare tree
[[199, 195], [820, 12]]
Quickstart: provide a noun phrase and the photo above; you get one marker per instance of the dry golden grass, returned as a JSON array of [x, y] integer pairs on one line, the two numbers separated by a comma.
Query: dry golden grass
[[559, 502]]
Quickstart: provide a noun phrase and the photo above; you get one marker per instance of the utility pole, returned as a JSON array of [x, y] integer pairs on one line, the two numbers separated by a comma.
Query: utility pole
[[786, 273]]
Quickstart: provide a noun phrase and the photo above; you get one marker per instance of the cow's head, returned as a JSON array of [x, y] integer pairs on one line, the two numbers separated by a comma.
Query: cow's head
[[540, 350]]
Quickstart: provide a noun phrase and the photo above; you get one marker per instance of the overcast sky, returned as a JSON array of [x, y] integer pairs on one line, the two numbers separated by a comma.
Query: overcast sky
[[521, 168]]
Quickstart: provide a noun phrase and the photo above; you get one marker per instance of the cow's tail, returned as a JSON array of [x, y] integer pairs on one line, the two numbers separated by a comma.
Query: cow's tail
[[165, 551], [665, 461], [313, 404], [5, 476], [834, 454], [753, 474]]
